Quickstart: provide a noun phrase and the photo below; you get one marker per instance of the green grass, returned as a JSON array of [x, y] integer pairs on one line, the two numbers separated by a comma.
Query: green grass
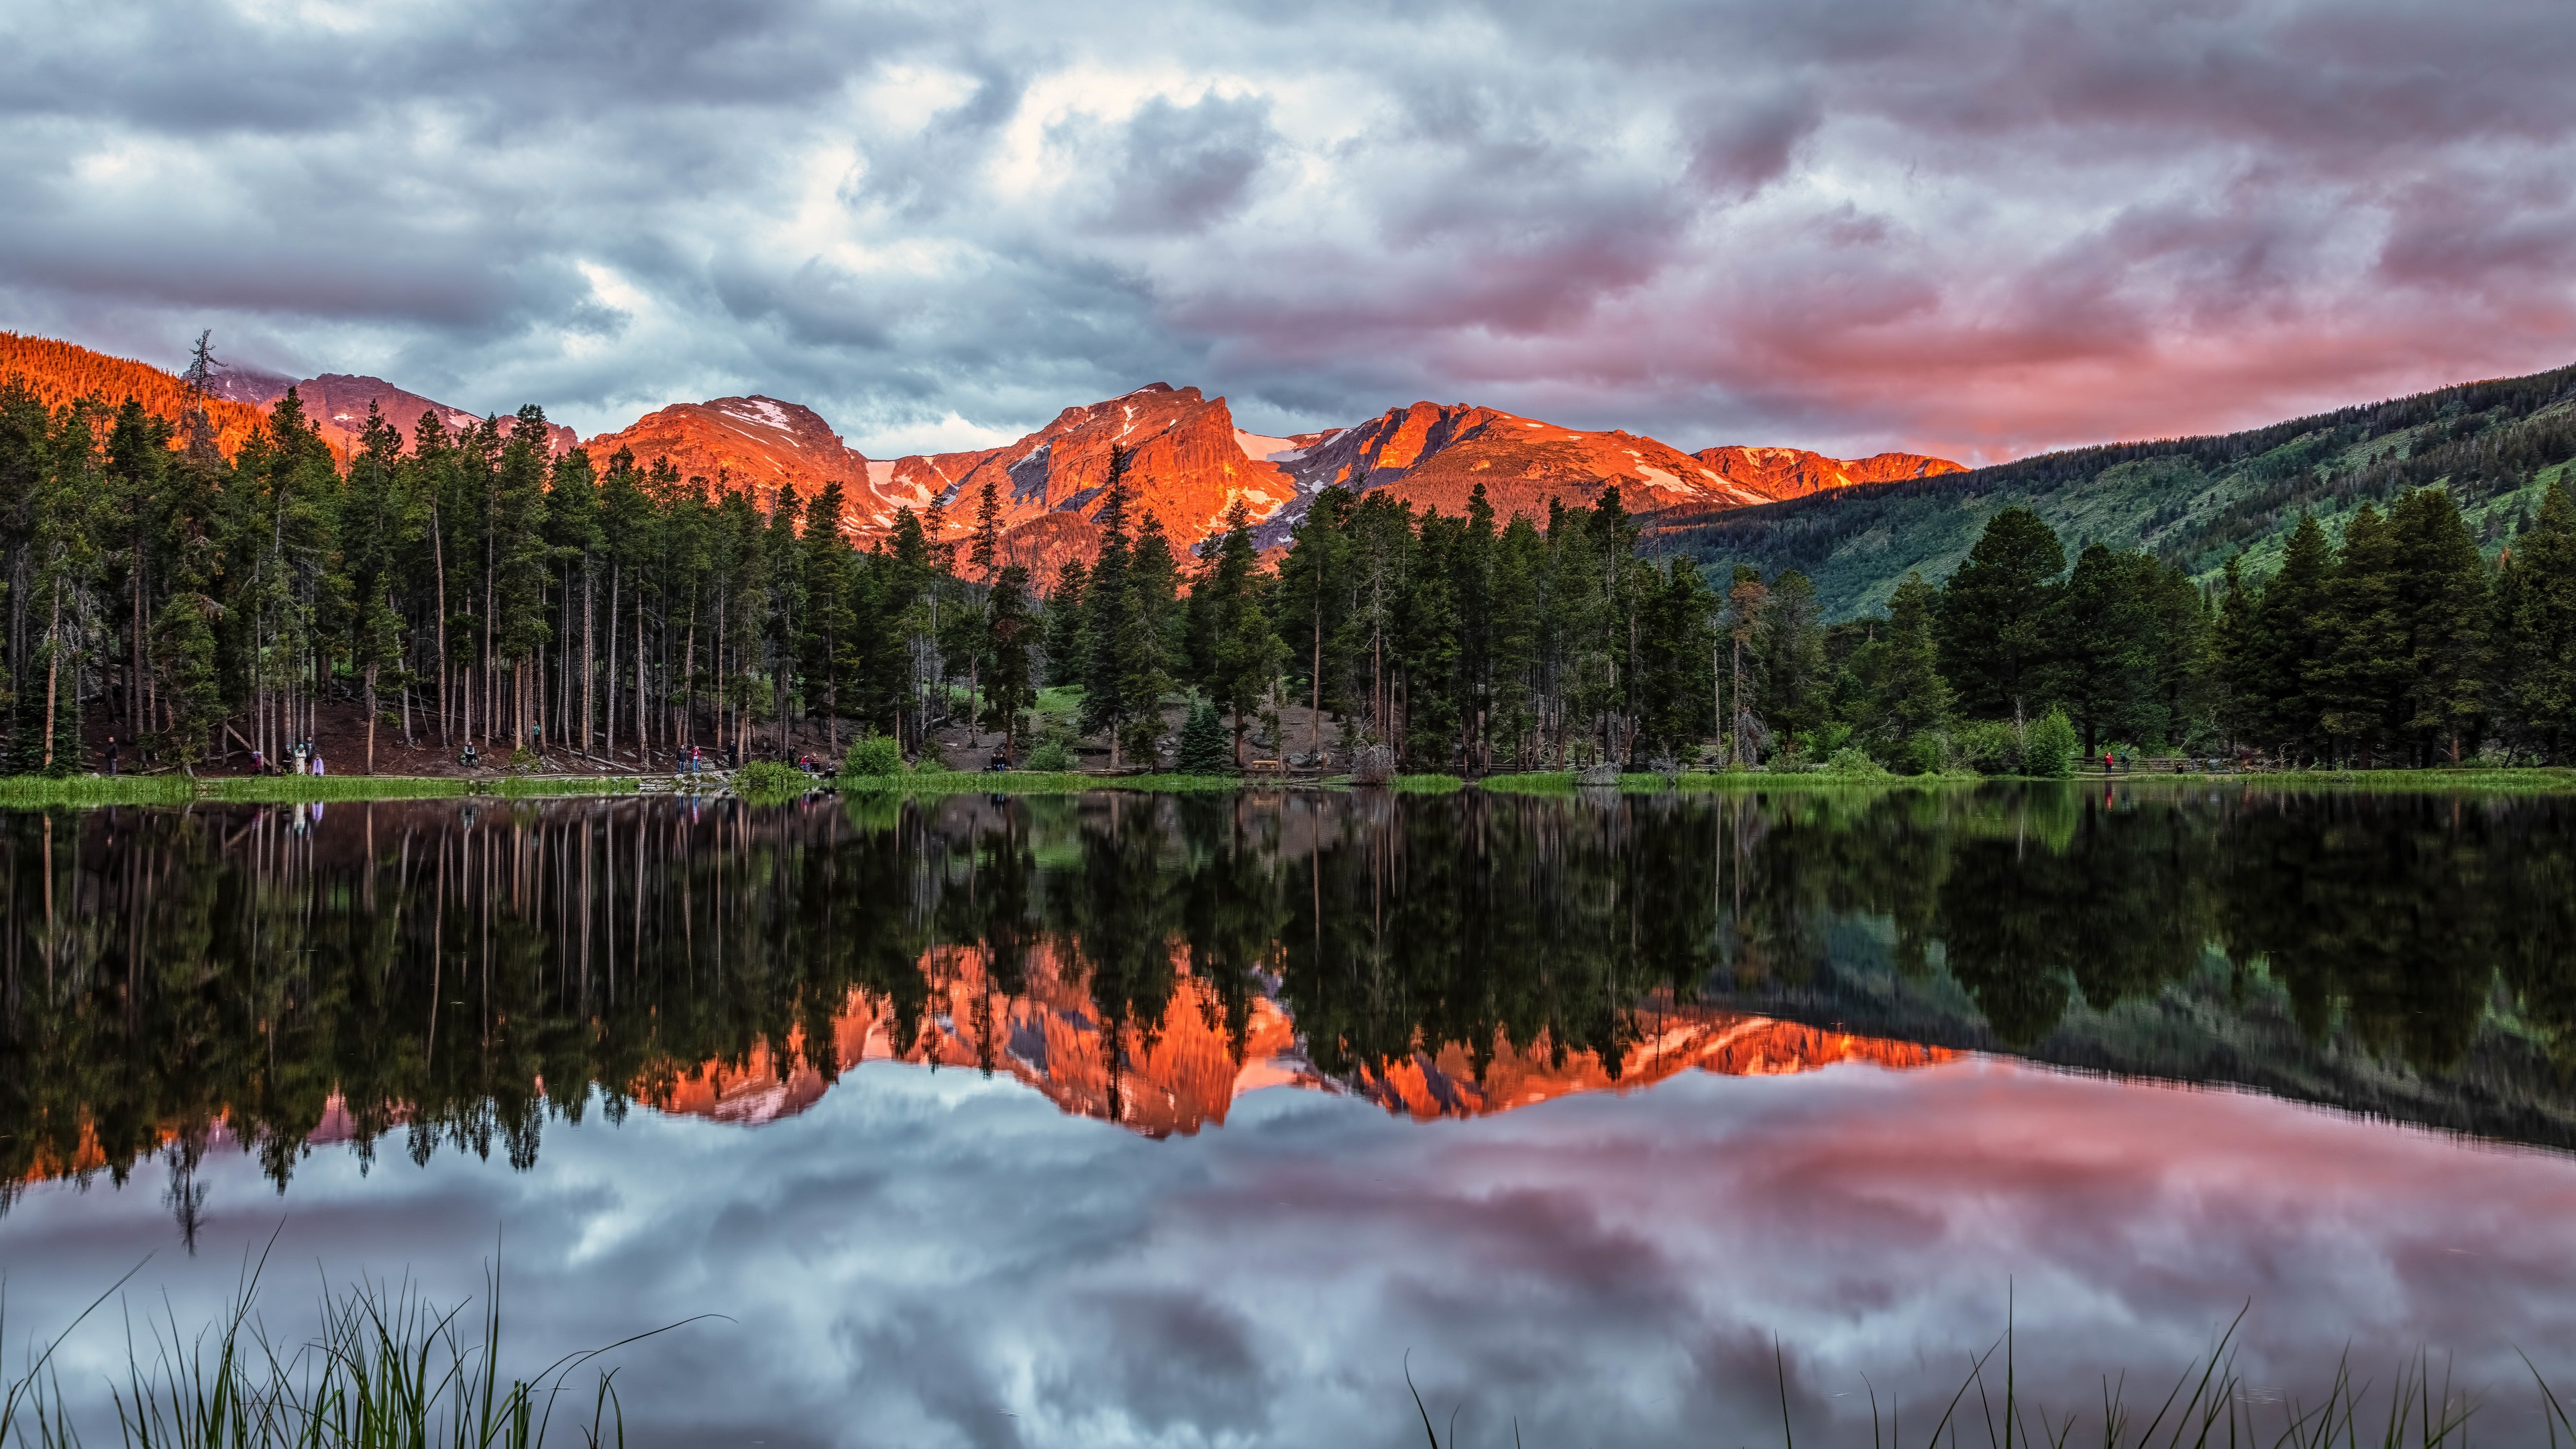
[[1562, 782], [2468, 779], [1026, 782], [387, 1369], [37, 791]]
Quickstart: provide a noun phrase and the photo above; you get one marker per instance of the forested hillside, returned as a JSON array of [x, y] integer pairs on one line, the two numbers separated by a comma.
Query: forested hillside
[[2192, 502], [55, 373]]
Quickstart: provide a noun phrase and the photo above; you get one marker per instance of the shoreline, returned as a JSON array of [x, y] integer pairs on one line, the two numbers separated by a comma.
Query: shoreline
[[38, 792]]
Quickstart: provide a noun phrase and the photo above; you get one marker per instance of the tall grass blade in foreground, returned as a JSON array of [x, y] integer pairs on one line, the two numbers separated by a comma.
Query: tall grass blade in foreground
[[386, 1369]]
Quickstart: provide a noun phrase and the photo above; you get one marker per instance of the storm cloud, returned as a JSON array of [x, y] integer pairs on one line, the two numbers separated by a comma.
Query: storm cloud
[[1970, 227]]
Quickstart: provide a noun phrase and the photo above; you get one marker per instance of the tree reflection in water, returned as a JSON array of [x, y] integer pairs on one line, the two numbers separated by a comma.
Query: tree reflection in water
[[455, 974]]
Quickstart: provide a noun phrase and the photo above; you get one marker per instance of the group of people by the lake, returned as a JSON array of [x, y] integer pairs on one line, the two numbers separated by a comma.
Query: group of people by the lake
[[306, 759]]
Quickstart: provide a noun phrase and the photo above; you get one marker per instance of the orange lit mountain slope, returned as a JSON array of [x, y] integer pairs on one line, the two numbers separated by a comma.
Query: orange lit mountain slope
[[337, 404], [1188, 464], [59, 372], [1773, 475], [758, 443]]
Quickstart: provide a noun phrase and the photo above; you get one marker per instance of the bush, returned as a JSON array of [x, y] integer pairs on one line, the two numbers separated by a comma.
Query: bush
[[1855, 764], [2048, 748], [770, 780], [873, 755], [1204, 747], [1373, 766], [1052, 756], [1990, 748]]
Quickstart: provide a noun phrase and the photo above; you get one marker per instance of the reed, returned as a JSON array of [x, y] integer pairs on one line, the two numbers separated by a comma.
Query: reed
[[2210, 1405], [386, 1369]]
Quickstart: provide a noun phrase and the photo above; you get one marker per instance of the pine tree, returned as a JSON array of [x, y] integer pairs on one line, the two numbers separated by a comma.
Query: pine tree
[[1008, 631], [1203, 744], [986, 553], [1314, 603], [1792, 667], [831, 576], [2543, 624], [2368, 661], [1064, 624], [2235, 659], [1117, 641], [1997, 614], [1904, 695], [1235, 654], [2281, 688], [2442, 589]]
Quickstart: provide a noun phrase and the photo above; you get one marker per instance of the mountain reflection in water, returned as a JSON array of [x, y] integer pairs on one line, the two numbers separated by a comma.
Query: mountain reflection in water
[[419, 973]]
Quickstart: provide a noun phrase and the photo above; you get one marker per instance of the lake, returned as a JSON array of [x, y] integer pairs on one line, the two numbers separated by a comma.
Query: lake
[[1125, 1119]]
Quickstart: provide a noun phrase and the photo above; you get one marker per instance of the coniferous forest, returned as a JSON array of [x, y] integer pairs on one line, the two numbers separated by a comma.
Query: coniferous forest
[[468, 589]]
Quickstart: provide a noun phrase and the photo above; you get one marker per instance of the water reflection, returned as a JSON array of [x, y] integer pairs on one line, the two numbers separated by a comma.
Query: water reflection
[[433, 975]]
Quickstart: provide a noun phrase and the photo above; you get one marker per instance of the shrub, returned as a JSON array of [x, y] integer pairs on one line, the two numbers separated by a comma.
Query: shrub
[[873, 755], [1855, 764], [1990, 748], [2048, 748], [770, 780], [1204, 747], [1373, 766], [1051, 756]]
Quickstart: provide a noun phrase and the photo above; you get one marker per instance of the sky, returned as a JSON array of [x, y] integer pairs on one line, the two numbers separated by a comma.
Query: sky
[[1976, 228]]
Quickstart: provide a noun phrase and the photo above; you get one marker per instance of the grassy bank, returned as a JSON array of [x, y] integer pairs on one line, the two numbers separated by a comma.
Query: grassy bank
[[37, 791], [2538, 781], [1563, 782], [1024, 782]]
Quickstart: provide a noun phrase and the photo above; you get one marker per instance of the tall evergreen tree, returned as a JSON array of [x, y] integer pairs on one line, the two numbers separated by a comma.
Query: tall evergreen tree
[[2368, 661], [2281, 689], [2541, 636], [2442, 590], [1997, 614]]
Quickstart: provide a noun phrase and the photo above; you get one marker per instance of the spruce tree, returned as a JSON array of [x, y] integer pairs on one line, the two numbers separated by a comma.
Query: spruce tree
[[1997, 614], [1235, 654], [1064, 624], [2442, 588], [1905, 693], [1009, 630], [2543, 638], [1792, 666], [2361, 687], [1113, 626], [2282, 687]]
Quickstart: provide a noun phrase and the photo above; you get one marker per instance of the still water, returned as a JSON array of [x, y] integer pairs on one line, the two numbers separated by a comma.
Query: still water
[[1125, 1120]]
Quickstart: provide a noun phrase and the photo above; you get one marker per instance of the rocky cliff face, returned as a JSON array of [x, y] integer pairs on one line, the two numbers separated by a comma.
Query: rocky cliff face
[[1434, 456], [751, 443], [1772, 475], [337, 404], [1188, 464]]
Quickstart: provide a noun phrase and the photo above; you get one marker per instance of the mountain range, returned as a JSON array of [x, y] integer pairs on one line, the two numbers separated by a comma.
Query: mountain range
[[1856, 527], [1189, 460]]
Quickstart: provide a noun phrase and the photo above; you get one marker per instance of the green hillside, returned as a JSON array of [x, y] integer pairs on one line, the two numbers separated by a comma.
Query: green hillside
[[2192, 501]]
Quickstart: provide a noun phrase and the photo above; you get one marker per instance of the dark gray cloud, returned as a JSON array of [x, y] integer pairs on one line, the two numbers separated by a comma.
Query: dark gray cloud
[[1972, 226]]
